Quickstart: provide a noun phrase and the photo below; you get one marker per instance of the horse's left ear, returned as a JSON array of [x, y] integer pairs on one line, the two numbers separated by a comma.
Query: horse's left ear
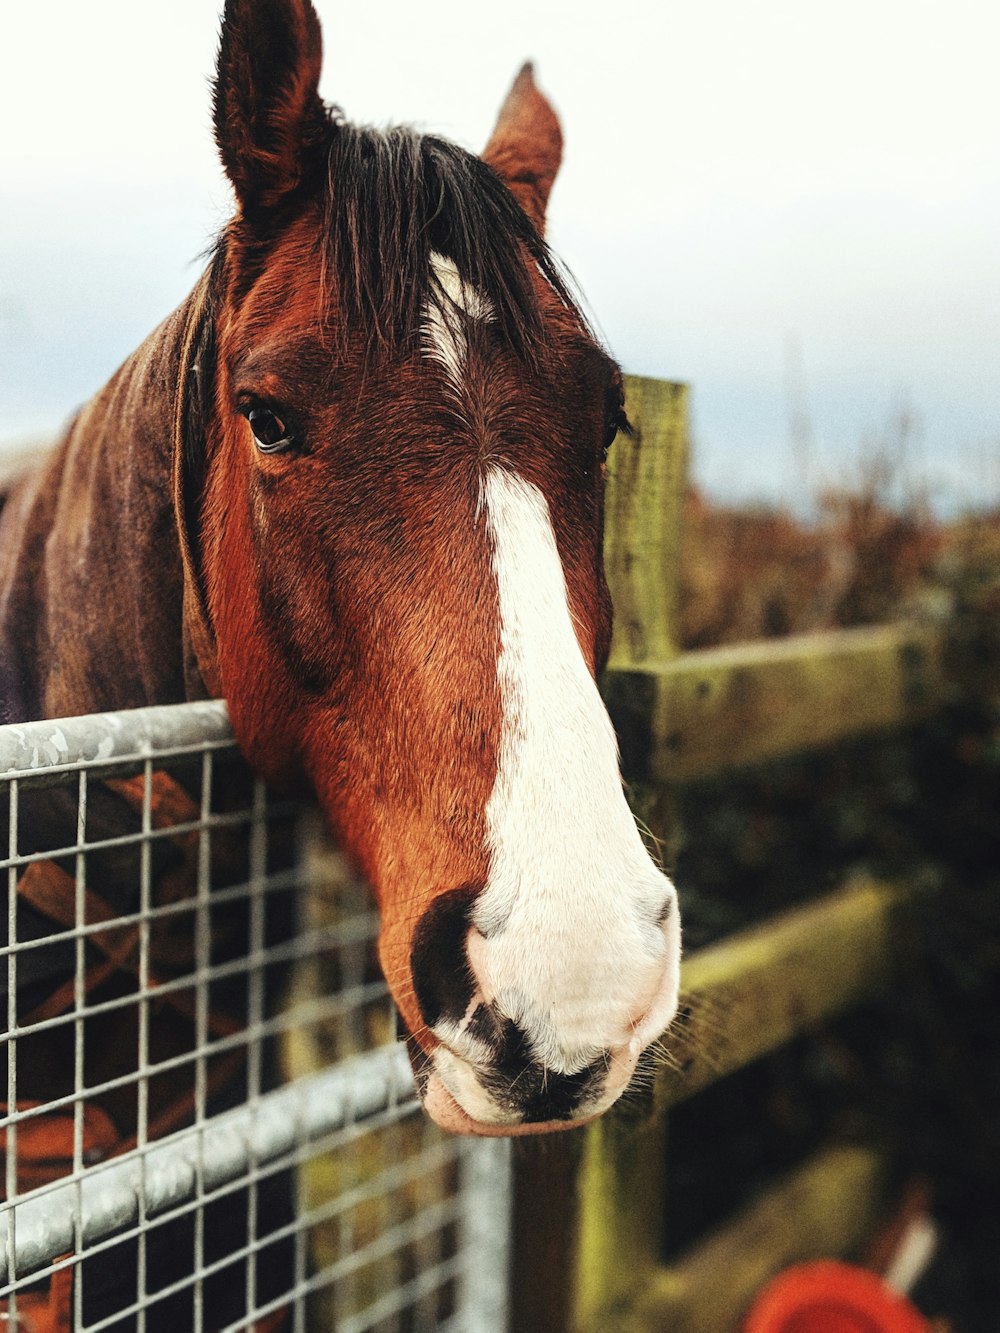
[[525, 148], [269, 119]]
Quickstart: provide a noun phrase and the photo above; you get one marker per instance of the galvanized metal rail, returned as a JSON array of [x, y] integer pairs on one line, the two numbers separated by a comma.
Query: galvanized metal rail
[[42, 751], [169, 1172]]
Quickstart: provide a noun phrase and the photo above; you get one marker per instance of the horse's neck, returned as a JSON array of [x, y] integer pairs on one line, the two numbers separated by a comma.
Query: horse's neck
[[91, 576]]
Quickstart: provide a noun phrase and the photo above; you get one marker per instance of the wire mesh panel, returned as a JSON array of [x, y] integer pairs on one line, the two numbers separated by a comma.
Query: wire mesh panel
[[208, 1123]]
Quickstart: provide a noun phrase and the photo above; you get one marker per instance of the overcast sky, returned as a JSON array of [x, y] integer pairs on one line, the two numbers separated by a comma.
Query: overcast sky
[[794, 206]]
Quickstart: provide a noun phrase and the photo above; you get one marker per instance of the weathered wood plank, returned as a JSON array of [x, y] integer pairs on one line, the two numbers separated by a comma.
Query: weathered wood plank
[[587, 1221], [709, 711], [756, 990], [825, 1208], [544, 1232], [644, 507], [621, 1189]]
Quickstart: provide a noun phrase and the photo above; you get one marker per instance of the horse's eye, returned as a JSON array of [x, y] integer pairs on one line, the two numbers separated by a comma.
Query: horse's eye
[[610, 435], [617, 424], [615, 420], [270, 432]]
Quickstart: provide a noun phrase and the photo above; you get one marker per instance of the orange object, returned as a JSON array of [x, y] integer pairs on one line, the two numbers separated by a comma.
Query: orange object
[[830, 1297]]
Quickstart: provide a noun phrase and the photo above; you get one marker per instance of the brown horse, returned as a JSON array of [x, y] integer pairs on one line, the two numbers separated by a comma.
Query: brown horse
[[355, 486]]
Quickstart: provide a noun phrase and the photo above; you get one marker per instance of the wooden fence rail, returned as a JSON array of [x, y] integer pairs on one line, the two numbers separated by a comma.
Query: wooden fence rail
[[589, 1205]]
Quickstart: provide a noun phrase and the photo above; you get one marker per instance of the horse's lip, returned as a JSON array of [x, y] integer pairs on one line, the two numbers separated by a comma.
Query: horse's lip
[[447, 1114]]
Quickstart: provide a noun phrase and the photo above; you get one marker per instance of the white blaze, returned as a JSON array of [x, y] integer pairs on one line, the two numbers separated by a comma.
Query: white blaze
[[567, 937], [444, 327], [574, 951]]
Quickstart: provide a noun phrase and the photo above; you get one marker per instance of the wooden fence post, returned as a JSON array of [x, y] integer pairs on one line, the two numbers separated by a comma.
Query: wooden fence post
[[645, 503]]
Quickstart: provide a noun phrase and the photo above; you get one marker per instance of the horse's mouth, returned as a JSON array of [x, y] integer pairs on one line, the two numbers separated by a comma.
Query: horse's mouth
[[448, 1115], [453, 1095]]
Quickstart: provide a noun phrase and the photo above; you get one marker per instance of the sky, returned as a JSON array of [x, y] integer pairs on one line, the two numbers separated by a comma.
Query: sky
[[793, 206]]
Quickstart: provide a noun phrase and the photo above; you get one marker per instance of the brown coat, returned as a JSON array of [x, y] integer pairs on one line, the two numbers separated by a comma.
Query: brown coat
[[92, 582]]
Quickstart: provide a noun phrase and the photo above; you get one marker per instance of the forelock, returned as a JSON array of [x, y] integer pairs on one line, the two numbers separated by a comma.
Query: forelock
[[393, 199]]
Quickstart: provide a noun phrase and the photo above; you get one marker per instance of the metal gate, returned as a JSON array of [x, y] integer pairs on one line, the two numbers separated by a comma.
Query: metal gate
[[390, 1225]]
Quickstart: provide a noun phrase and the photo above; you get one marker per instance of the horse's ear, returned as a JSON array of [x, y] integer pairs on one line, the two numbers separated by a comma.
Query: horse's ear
[[269, 119], [525, 148]]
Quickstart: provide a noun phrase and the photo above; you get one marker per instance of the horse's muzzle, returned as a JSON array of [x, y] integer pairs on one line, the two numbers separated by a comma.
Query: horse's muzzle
[[521, 1040]]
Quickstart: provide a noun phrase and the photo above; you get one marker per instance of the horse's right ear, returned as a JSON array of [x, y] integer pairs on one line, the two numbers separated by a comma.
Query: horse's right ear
[[525, 148], [269, 119]]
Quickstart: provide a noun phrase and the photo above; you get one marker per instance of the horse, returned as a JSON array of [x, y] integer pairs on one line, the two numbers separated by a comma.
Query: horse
[[354, 485]]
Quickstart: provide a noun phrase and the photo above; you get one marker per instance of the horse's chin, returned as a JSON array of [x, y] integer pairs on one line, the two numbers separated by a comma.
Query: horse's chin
[[446, 1113]]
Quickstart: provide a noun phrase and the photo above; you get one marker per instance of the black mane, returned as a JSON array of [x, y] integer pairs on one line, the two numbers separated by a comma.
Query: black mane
[[393, 198]]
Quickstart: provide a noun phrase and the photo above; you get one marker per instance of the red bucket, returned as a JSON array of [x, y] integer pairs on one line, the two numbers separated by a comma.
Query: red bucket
[[830, 1297]]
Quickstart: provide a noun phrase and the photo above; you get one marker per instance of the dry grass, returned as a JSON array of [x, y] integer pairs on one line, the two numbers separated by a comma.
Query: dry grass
[[761, 573]]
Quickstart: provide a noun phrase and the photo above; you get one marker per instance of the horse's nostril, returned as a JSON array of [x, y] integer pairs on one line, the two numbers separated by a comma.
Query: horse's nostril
[[443, 980]]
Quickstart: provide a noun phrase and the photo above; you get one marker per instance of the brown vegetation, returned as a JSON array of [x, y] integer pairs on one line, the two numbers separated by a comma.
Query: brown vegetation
[[762, 573]]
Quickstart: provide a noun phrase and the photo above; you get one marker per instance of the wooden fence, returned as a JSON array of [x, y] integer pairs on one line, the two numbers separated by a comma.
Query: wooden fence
[[588, 1215]]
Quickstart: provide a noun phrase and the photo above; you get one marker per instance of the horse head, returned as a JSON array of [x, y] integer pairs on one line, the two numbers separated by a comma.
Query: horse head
[[400, 542]]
